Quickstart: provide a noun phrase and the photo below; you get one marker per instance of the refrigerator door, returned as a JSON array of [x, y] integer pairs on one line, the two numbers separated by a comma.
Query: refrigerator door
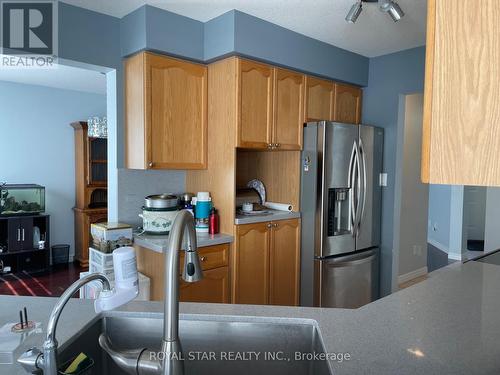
[[349, 281], [367, 227], [339, 188], [308, 212]]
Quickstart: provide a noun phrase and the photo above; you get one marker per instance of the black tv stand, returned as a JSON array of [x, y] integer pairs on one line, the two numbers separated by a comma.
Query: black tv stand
[[17, 248]]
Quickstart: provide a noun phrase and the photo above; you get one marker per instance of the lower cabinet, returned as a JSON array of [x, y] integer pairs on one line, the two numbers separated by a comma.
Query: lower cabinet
[[213, 288], [266, 263], [83, 219]]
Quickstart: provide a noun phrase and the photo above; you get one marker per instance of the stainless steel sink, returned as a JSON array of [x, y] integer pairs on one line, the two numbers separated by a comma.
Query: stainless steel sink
[[218, 346]]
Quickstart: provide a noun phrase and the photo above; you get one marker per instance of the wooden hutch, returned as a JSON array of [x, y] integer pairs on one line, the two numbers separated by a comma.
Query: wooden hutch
[[91, 181]]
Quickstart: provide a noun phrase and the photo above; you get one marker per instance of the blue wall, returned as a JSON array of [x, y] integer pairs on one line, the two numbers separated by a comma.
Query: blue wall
[[238, 33], [439, 216], [389, 76], [37, 145]]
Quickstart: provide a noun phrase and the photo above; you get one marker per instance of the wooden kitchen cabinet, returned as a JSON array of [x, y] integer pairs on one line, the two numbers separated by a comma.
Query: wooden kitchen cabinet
[[461, 124], [255, 89], [288, 109], [284, 263], [347, 103], [213, 288], [266, 263], [251, 264], [270, 106], [165, 113], [319, 99]]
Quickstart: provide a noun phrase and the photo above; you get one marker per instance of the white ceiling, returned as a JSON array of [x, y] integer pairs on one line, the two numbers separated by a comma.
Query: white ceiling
[[61, 77], [374, 34]]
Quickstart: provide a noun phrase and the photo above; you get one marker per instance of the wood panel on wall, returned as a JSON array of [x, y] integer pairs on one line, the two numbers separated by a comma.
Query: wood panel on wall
[[219, 177], [462, 93], [278, 170]]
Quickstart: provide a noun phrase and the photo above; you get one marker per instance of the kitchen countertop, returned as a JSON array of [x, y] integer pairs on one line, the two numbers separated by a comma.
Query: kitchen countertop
[[159, 243], [447, 324], [273, 215]]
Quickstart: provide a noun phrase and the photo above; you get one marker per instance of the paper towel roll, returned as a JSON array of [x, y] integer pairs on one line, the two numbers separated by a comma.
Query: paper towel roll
[[279, 206]]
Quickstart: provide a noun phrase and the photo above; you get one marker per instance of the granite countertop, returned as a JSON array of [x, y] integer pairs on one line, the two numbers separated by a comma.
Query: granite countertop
[[159, 243], [447, 324], [273, 215]]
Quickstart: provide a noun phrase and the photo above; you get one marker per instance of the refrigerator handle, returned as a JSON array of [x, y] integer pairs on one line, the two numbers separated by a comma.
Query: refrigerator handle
[[322, 163], [352, 182], [358, 190], [363, 174]]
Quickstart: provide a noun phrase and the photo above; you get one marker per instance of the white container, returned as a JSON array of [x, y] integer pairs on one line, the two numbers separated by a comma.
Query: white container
[[100, 259], [158, 221], [108, 272], [109, 236]]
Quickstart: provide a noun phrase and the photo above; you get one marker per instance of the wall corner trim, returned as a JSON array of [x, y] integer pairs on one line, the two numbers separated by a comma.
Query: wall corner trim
[[412, 275]]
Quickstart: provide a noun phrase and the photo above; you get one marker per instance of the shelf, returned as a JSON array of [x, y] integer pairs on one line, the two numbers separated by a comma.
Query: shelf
[[23, 252]]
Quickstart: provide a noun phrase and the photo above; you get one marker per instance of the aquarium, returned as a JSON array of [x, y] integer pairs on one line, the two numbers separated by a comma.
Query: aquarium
[[21, 199]]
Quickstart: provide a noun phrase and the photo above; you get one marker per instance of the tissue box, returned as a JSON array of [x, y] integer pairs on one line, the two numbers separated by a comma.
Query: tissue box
[[109, 236]]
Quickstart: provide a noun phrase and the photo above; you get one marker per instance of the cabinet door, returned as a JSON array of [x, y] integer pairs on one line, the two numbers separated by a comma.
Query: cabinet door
[[285, 263], [176, 108], [255, 104], [288, 109], [27, 233], [461, 125], [319, 99], [347, 104], [251, 264], [14, 234], [213, 288]]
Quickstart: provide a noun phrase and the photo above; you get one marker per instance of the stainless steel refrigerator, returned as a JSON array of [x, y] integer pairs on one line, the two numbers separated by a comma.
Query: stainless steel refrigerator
[[341, 213]]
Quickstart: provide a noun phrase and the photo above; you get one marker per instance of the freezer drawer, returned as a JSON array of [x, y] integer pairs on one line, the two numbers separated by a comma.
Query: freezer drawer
[[350, 281]]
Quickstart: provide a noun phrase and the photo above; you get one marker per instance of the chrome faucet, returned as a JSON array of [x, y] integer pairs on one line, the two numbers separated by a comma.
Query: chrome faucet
[[36, 360], [169, 360]]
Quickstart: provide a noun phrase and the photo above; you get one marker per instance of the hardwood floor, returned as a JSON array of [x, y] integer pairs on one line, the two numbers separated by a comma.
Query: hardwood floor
[[49, 284]]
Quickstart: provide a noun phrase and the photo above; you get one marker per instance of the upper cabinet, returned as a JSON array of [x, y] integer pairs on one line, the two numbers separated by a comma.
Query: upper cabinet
[[288, 109], [461, 127], [347, 104], [165, 113], [319, 99], [270, 107], [255, 104]]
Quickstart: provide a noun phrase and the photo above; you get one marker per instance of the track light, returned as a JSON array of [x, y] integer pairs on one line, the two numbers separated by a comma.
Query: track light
[[387, 6], [354, 12], [392, 8]]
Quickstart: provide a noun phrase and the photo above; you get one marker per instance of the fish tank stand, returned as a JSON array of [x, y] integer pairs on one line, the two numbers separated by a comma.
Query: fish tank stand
[[18, 249]]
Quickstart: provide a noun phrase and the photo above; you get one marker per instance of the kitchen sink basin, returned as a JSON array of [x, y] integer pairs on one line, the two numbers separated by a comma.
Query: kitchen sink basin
[[219, 346]]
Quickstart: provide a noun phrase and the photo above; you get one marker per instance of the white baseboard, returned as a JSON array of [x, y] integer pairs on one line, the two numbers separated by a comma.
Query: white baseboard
[[438, 245], [454, 256], [412, 275]]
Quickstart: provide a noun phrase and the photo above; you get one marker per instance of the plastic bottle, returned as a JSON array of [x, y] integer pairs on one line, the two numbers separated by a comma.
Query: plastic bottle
[[202, 211]]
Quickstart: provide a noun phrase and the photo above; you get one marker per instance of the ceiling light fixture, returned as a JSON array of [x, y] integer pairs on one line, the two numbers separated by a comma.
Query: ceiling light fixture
[[392, 8], [354, 12], [387, 6]]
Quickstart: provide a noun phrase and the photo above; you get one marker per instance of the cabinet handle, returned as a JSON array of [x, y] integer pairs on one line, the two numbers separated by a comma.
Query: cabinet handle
[[278, 144], [203, 259], [18, 234], [23, 234], [150, 164], [275, 225], [269, 145], [269, 225]]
